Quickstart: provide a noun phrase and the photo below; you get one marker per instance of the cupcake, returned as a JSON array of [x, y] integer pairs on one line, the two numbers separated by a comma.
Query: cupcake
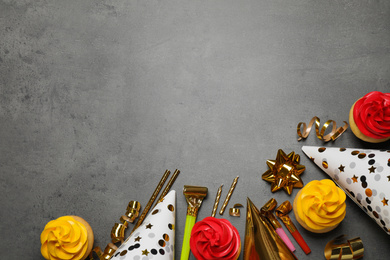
[[214, 238], [320, 206], [369, 117], [68, 237]]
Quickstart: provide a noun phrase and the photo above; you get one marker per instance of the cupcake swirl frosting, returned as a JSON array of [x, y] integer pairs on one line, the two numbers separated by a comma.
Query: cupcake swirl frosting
[[214, 238], [371, 114], [64, 238], [321, 204]]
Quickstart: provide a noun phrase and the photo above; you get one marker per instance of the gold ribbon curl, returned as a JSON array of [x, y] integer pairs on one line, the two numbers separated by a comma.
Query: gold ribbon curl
[[333, 135], [342, 249]]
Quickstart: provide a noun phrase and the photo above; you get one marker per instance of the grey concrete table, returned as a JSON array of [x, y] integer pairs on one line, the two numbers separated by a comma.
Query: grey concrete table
[[98, 98]]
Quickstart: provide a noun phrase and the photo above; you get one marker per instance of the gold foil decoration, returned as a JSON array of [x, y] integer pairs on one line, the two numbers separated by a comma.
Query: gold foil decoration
[[235, 211], [118, 232], [132, 212], [261, 240], [225, 203], [333, 135], [151, 200], [342, 249], [284, 172], [216, 202], [108, 252]]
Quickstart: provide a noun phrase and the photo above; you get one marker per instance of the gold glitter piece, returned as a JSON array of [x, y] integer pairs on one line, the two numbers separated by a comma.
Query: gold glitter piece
[[333, 135]]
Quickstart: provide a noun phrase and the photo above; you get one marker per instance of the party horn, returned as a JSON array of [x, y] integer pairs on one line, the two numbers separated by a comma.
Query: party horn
[[194, 196], [282, 213], [266, 211]]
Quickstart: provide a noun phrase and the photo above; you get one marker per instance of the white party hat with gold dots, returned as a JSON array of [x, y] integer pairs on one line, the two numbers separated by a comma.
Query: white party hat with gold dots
[[364, 175], [155, 238]]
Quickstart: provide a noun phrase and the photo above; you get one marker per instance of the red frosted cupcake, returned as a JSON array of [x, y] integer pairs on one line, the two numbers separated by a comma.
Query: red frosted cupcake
[[214, 238], [369, 117]]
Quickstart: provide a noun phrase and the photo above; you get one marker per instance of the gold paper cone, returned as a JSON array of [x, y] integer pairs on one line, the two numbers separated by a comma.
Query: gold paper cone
[[261, 241]]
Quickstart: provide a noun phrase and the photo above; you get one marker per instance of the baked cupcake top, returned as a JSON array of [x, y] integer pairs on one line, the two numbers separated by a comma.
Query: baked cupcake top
[[214, 238], [321, 204], [371, 114], [64, 238]]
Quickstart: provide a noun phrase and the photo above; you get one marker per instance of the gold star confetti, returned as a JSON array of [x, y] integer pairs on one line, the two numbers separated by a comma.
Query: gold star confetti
[[372, 169], [354, 178], [284, 172], [341, 168], [149, 226], [385, 201], [145, 252], [137, 239]]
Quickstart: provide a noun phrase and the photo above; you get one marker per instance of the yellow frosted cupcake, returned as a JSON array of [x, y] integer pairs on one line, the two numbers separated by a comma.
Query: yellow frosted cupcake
[[68, 237], [320, 206]]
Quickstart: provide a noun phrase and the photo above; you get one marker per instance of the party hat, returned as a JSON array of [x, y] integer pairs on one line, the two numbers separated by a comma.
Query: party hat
[[155, 238], [364, 175], [261, 240]]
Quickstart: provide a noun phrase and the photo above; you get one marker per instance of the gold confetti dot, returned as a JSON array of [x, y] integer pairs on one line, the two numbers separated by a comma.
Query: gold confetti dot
[[171, 207], [325, 164], [368, 192], [161, 243], [322, 149], [166, 237], [361, 155], [355, 152]]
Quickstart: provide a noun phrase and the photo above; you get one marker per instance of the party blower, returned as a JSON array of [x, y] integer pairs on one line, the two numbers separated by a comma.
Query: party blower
[[282, 212], [194, 196], [266, 211]]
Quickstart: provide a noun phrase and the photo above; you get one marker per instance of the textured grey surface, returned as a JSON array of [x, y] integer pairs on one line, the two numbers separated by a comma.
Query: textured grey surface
[[98, 98]]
